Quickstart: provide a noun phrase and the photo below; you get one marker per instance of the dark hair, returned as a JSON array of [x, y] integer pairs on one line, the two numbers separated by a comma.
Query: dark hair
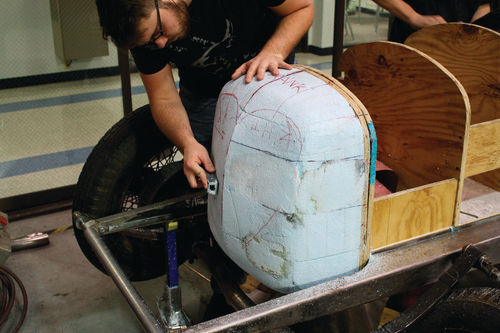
[[119, 19]]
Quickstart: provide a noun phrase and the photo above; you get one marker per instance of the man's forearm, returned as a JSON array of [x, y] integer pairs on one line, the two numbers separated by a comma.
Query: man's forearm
[[172, 120], [167, 109], [481, 11], [398, 8], [289, 31]]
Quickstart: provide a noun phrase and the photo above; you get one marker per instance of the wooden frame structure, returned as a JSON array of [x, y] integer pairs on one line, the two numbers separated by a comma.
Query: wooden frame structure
[[436, 110]]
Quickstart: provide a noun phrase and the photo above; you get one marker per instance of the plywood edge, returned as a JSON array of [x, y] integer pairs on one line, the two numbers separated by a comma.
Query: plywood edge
[[480, 27], [460, 184], [450, 24], [413, 212], [430, 234], [464, 24], [370, 150], [405, 241], [341, 88], [483, 150]]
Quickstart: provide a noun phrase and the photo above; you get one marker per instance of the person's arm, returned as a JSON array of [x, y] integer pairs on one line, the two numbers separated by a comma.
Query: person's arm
[[406, 13], [481, 11], [171, 117], [297, 17]]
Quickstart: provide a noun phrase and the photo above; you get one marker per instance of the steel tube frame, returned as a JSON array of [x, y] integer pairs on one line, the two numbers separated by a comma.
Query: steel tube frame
[[141, 217], [134, 299], [391, 270]]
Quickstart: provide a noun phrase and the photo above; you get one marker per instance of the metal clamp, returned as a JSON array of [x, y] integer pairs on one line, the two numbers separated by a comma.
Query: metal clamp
[[30, 241], [213, 184], [439, 290]]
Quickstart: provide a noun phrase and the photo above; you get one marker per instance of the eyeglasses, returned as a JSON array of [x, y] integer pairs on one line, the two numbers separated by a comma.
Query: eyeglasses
[[151, 43]]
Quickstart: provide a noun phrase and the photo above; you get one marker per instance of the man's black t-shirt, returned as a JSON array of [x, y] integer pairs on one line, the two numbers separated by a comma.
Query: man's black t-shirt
[[223, 35]]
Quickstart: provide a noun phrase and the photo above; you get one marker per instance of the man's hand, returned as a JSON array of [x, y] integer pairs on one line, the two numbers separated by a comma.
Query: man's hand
[[259, 65], [296, 18], [406, 13], [420, 21], [195, 155]]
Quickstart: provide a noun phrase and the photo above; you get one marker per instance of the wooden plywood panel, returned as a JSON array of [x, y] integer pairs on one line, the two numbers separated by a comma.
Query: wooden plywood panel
[[483, 150], [490, 179], [472, 54], [380, 223], [414, 212], [419, 110]]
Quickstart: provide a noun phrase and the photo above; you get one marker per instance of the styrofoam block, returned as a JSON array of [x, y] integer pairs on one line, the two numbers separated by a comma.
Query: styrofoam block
[[290, 158]]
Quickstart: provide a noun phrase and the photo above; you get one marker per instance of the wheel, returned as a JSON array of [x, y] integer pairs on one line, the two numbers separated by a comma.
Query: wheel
[[131, 166], [464, 310]]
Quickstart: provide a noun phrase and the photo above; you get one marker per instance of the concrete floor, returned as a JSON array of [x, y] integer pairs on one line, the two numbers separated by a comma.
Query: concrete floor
[[67, 294]]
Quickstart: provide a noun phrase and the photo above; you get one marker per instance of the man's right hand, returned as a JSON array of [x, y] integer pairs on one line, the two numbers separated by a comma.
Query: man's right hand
[[196, 156], [171, 117]]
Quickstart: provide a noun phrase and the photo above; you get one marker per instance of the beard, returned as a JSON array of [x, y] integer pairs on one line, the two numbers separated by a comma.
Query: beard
[[180, 10]]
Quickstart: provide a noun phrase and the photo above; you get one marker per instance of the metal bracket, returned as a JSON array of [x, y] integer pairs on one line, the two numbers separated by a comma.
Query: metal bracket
[[30, 241], [213, 184], [469, 258], [170, 308], [157, 213], [391, 270]]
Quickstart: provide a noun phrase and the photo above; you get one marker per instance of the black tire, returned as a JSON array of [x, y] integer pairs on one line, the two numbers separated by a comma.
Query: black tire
[[131, 166], [464, 310]]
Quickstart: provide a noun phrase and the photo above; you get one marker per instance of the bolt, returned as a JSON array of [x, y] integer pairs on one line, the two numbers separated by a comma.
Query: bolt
[[78, 224]]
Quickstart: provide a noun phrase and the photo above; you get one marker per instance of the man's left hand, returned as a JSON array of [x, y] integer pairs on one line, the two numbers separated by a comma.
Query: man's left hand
[[259, 65]]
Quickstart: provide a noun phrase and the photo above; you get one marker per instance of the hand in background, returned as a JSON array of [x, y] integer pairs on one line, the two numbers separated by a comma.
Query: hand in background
[[420, 21]]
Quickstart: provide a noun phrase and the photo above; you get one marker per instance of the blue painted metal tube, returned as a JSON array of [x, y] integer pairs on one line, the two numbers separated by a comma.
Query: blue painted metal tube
[[173, 273]]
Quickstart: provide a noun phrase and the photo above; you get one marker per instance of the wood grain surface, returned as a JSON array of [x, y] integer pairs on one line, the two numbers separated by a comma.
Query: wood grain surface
[[490, 179], [472, 54], [410, 213], [419, 110], [483, 150]]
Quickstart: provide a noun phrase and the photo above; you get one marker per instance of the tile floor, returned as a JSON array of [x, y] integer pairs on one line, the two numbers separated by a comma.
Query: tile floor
[[47, 131]]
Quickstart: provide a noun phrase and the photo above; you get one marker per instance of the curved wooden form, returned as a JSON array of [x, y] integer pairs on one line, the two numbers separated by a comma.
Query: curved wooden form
[[421, 113], [472, 54], [419, 110]]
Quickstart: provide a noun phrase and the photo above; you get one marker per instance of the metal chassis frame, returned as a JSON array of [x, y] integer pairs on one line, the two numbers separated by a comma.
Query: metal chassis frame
[[393, 269], [390, 270]]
